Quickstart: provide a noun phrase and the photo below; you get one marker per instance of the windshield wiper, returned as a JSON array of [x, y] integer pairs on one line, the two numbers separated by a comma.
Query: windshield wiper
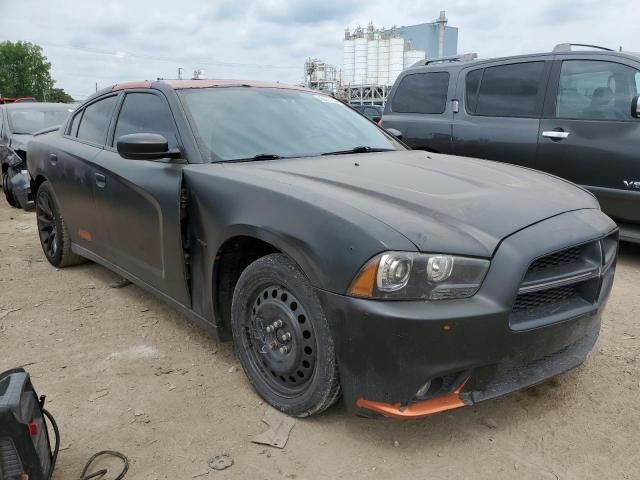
[[360, 149], [257, 158]]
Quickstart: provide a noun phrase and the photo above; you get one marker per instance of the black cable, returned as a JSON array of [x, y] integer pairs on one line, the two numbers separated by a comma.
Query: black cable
[[84, 475], [101, 473], [56, 432]]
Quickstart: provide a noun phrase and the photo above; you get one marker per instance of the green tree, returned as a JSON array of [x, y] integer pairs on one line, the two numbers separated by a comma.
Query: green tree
[[24, 71], [59, 95]]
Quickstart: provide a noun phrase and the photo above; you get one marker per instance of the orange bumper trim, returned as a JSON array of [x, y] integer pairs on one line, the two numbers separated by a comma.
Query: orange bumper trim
[[421, 409]]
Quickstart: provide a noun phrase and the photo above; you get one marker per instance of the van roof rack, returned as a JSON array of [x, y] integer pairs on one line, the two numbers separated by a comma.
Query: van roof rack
[[465, 57], [566, 47]]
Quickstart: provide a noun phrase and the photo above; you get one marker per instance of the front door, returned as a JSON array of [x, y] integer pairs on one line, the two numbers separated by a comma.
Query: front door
[[139, 201], [589, 136]]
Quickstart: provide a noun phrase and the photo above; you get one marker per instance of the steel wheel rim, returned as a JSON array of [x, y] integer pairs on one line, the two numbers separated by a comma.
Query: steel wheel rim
[[47, 227], [286, 372]]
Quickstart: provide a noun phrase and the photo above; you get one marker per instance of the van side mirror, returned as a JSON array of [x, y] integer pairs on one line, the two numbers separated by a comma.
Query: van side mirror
[[635, 107], [145, 146], [395, 133]]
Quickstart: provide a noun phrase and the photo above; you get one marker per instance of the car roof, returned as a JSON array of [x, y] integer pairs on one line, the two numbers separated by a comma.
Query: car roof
[[23, 106], [464, 63], [207, 83]]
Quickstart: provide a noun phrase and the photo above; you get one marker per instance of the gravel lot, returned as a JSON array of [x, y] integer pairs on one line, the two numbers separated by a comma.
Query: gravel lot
[[121, 370]]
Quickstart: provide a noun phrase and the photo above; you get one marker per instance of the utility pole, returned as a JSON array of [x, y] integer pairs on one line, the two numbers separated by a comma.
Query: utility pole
[[180, 69], [96, 86]]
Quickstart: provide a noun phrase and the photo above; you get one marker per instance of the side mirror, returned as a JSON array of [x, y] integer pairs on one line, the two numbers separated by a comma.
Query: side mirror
[[635, 107], [395, 133], [145, 146]]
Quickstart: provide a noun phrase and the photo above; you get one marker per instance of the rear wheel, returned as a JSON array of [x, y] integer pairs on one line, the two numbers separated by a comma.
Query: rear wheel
[[282, 337], [6, 188], [52, 230]]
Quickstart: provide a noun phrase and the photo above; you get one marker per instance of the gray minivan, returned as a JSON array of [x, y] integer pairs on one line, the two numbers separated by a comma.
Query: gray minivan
[[574, 114]]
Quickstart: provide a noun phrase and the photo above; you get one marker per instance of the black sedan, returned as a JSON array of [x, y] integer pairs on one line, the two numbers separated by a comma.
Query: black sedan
[[18, 121], [336, 259]]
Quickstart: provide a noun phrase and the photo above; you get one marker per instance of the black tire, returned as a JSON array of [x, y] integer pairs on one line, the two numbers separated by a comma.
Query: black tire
[[302, 380], [6, 188], [54, 237]]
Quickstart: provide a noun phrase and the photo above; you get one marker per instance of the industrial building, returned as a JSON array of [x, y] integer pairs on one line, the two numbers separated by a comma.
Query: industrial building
[[373, 58]]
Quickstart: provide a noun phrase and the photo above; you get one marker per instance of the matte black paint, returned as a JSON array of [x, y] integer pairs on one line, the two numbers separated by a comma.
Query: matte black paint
[[330, 215]]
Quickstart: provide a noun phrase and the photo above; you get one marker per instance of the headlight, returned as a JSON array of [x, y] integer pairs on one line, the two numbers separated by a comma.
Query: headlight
[[416, 276]]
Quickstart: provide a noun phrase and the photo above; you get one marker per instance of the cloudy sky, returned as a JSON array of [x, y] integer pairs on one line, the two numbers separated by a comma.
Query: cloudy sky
[[109, 41]]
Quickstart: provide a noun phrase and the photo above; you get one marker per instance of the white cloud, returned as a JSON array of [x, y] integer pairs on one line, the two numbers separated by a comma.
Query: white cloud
[[90, 41]]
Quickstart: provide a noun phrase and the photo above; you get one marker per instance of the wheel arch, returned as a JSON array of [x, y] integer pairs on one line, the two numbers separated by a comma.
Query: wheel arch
[[241, 246]]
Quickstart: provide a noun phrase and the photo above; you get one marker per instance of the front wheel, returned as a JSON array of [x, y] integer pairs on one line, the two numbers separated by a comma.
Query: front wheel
[[282, 337], [6, 188], [52, 229]]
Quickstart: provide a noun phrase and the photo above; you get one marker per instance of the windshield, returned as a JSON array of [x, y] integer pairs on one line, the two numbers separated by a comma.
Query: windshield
[[29, 121], [243, 123]]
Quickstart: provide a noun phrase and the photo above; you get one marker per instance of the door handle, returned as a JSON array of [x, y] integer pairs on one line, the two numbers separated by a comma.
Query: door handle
[[101, 180], [53, 158], [555, 134]]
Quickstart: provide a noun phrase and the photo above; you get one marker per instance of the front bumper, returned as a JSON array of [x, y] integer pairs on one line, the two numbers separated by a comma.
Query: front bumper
[[20, 181], [468, 349]]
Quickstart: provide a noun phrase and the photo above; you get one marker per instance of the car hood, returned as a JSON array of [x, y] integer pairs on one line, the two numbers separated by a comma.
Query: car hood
[[19, 141], [441, 203]]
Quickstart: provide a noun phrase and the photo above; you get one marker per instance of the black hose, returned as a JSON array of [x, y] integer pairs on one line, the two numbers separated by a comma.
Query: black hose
[[84, 475]]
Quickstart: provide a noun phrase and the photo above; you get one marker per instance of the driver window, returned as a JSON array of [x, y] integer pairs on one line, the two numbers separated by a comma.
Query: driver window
[[145, 113], [596, 90]]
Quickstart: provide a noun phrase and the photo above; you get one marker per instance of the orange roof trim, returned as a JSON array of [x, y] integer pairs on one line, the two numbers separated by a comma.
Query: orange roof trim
[[127, 85]]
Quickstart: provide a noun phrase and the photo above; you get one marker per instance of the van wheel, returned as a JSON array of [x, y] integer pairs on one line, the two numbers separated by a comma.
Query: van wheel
[[54, 237], [282, 337]]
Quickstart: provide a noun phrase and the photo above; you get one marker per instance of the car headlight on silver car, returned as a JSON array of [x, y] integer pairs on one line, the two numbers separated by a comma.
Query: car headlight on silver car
[[419, 276]]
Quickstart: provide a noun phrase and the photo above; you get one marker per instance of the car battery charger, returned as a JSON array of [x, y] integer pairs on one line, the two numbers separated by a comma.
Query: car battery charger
[[25, 450]]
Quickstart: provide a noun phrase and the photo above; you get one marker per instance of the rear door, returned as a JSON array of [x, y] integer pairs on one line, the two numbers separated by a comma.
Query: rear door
[[588, 135], [71, 168], [139, 200], [500, 109], [419, 109]]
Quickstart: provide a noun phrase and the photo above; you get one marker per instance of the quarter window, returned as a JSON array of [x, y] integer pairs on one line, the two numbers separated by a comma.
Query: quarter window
[[95, 120], [75, 123], [507, 90], [422, 93], [596, 90], [145, 113]]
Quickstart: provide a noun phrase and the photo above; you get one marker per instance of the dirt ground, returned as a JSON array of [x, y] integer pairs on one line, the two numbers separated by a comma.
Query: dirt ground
[[121, 370]]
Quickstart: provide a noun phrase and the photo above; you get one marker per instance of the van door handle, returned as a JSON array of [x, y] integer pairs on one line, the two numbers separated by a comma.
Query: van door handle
[[101, 180], [53, 158], [555, 134]]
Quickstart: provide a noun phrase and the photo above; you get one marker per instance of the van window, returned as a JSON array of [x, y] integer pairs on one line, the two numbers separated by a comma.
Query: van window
[[510, 90], [422, 93], [472, 86], [96, 119], [596, 90]]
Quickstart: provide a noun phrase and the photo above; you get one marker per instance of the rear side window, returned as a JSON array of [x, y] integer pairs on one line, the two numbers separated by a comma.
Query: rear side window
[[95, 120], [422, 93], [145, 113], [507, 90]]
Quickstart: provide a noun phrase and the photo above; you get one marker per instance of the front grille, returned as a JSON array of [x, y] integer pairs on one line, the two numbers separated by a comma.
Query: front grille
[[533, 300], [556, 283], [563, 257]]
